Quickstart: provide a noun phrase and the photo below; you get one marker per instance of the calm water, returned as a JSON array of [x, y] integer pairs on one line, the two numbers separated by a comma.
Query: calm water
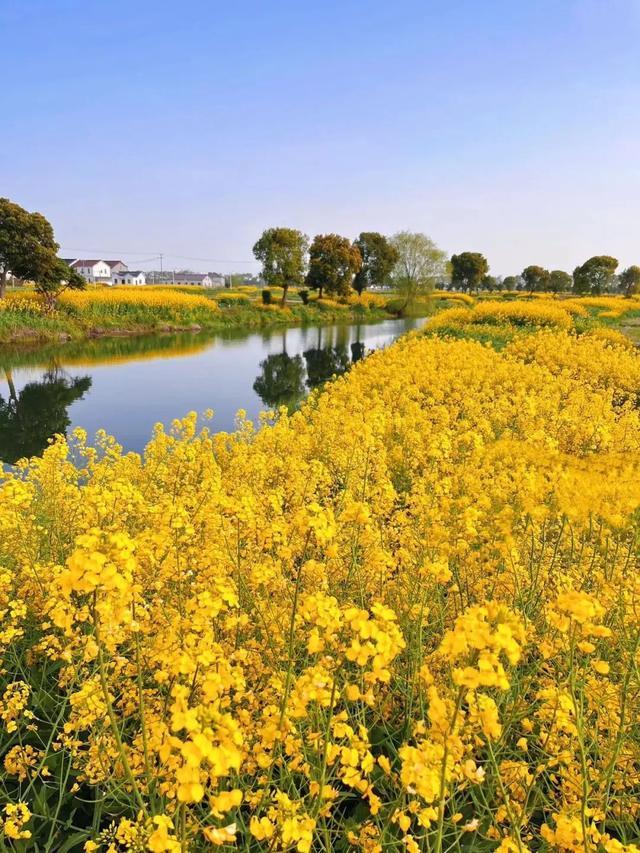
[[126, 385]]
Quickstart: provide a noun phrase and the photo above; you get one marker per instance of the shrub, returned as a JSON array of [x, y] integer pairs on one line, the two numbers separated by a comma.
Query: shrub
[[304, 296], [266, 296]]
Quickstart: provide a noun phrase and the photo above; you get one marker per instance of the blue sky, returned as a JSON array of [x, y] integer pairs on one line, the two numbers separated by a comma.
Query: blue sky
[[510, 127]]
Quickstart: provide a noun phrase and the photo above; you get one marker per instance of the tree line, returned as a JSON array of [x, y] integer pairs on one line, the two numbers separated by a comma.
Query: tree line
[[412, 263], [470, 271], [330, 264], [334, 266]]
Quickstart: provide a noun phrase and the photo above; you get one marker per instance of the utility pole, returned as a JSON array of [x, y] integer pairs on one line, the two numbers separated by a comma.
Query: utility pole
[[160, 265]]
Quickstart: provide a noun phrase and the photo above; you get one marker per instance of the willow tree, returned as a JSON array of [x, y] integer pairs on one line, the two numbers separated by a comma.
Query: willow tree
[[420, 266]]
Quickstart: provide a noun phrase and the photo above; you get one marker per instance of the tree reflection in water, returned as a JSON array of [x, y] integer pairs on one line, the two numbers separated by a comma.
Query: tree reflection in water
[[281, 380], [32, 416], [324, 363], [284, 381]]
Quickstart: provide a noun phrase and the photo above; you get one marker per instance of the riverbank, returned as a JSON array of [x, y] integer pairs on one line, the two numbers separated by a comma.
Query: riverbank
[[130, 311], [122, 312]]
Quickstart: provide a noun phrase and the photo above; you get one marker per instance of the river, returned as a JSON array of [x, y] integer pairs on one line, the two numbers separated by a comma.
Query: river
[[126, 385]]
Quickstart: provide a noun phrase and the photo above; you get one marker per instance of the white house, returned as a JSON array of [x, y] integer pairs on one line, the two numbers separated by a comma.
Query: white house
[[117, 266], [192, 278], [217, 279], [93, 270], [129, 277]]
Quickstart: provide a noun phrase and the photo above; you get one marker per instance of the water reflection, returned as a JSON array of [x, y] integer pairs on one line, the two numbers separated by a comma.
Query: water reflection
[[126, 385], [284, 380], [280, 381], [322, 364], [33, 415]]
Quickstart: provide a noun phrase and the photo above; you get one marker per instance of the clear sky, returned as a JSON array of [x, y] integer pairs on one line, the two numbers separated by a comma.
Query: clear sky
[[510, 127]]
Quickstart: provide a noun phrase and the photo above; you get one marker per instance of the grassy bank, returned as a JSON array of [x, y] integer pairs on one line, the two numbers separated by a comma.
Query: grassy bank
[[135, 310], [123, 311], [402, 618]]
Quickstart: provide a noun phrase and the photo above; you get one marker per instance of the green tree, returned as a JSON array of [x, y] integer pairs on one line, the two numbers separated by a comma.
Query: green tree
[[559, 281], [512, 282], [333, 262], [468, 269], [630, 280], [535, 278], [283, 254], [53, 276], [490, 283], [379, 257], [421, 265], [27, 245], [595, 275]]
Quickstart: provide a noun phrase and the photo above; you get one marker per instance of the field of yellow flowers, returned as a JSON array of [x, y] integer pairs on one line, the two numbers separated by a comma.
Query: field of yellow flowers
[[405, 617]]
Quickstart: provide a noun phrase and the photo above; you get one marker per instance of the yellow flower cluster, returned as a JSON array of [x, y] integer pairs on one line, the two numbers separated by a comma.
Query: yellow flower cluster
[[402, 618], [367, 300], [123, 296], [25, 302], [607, 306], [455, 296], [539, 314]]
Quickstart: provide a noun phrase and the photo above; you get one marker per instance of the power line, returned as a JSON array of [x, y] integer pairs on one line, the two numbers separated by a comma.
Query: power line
[[158, 255], [108, 251]]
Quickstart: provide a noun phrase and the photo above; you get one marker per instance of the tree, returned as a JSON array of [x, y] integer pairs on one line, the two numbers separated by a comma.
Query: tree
[[53, 275], [378, 259], [420, 265], [595, 275], [26, 242], [512, 282], [630, 280], [559, 281], [490, 283], [282, 253], [333, 262], [467, 270], [535, 278]]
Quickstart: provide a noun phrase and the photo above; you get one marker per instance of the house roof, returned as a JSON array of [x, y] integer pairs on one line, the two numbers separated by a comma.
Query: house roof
[[113, 263], [86, 262], [191, 276], [132, 272]]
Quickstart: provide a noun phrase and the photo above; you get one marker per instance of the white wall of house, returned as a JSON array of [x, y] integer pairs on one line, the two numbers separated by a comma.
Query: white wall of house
[[128, 277], [99, 271]]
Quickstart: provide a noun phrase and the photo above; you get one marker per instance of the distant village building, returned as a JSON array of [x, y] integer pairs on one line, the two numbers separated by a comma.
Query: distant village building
[[129, 277], [99, 271], [199, 279], [93, 270]]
